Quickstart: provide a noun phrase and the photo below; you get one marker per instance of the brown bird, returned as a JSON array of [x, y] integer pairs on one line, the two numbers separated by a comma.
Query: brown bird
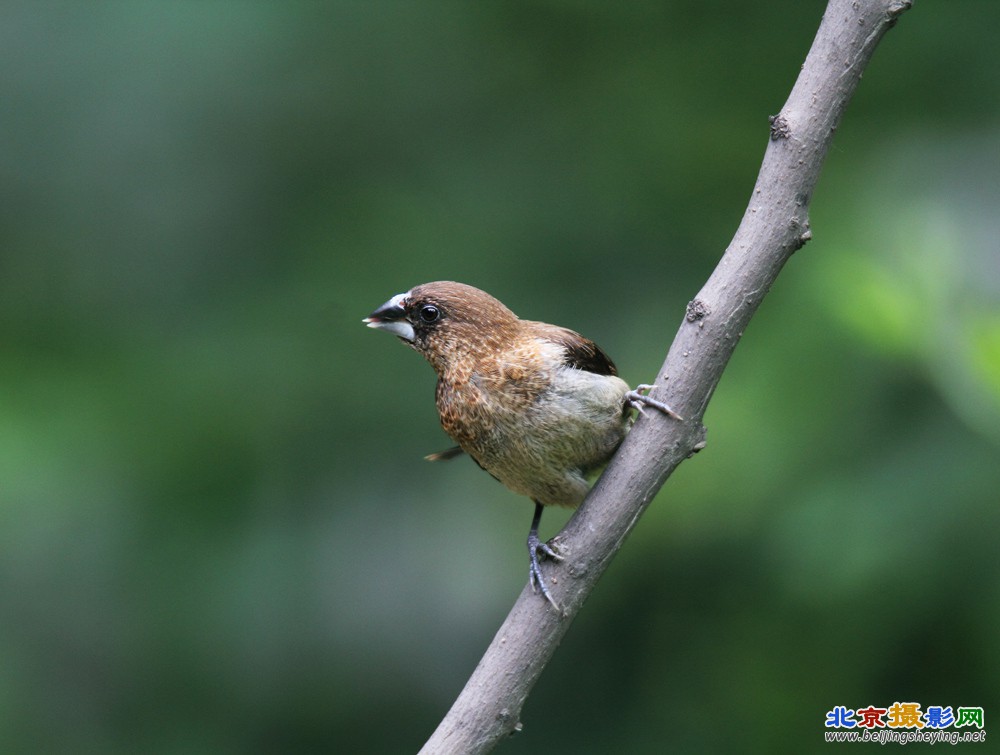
[[537, 406]]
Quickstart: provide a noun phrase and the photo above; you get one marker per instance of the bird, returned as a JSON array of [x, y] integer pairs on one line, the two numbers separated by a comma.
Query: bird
[[538, 406]]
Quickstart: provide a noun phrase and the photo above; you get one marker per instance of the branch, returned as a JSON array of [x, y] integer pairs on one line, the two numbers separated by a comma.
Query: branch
[[774, 226]]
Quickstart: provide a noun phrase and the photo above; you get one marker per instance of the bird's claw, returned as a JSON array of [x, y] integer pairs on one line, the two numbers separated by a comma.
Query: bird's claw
[[537, 549], [638, 397]]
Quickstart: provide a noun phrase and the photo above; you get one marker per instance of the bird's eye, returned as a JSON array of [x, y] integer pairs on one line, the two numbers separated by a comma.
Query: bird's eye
[[429, 313]]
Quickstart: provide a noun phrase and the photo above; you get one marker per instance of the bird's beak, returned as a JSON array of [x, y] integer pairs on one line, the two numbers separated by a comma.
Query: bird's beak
[[391, 316]]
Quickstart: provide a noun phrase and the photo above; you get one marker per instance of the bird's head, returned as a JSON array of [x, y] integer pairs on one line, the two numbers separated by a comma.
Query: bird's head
[[446, 322]]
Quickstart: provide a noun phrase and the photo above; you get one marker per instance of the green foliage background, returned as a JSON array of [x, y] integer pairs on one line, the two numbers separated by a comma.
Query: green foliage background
[[217, 533]]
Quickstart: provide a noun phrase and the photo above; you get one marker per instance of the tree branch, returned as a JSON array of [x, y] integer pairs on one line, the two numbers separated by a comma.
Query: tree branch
[[774, 226]]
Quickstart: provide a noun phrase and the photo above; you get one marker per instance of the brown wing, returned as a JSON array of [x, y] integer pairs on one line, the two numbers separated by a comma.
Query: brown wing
[[581, 353]]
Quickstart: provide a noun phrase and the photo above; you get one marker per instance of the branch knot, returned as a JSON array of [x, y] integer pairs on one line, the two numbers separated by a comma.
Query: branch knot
[[696, 310], [780, 128]]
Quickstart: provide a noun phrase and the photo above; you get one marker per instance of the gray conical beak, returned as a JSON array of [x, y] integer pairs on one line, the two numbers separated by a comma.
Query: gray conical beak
[[391, 316]]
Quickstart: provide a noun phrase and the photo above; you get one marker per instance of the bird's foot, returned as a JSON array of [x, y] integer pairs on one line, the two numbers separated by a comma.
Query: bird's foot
[[637, 398], [538, 550]]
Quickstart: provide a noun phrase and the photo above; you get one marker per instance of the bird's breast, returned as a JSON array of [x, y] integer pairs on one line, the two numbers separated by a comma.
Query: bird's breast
[[538, 434]]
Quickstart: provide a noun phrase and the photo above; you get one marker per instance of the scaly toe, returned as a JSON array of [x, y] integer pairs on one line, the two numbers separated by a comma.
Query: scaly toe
[[537, 548], [638, 398]]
